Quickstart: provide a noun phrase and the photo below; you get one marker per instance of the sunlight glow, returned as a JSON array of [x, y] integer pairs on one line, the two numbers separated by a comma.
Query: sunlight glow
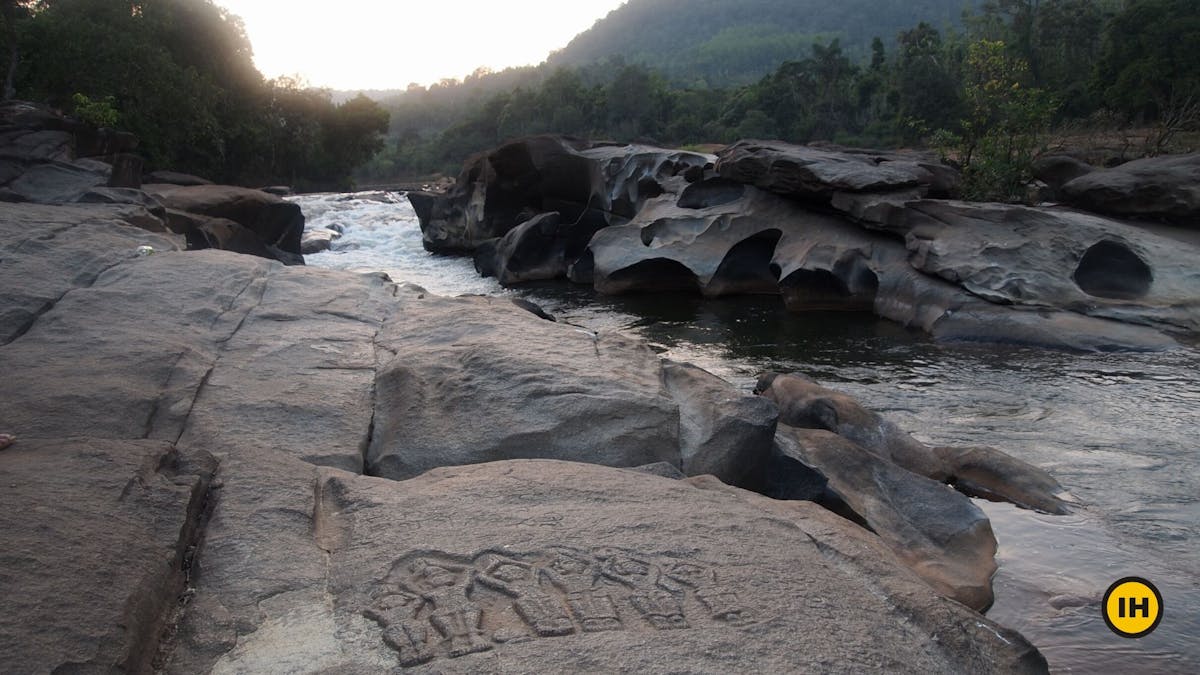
[[377, 44]]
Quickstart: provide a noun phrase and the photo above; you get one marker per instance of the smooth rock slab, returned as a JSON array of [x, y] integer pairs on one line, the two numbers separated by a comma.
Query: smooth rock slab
[[536, 566], [469, 380], [96, 535], [938, 532], [1156, 187], [817, 173]]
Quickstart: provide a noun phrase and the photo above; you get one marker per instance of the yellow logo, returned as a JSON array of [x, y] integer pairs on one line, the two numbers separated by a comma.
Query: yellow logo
[[1132, 607]]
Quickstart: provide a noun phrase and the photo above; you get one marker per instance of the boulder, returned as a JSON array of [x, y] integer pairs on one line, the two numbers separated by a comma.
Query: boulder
[[721, 249], [1058, 170], [591, 186], [731, 241], [173, 178], [532, 251], [938, 532], [126, 171], [1037, 257], [98, 539], [58, 182], [543, 565], [805, 404], [814, 173], [555, 392], [220, 233], [318, 240], [278, 223], [722, 433], [1165, 187]]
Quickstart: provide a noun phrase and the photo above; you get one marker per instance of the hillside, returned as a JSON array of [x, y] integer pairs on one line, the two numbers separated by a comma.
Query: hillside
[[718, 43]]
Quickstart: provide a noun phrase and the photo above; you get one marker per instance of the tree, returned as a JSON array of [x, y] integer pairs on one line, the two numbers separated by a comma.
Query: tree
[[1149, 57], [927, 86], [996, 141]]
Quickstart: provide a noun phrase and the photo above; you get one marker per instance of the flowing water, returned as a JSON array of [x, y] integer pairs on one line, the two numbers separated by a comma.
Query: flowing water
[[1120, 431]]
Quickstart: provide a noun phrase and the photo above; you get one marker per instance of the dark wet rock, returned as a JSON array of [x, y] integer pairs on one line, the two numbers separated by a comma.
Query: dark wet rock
[[126, 171], [722, 432], [535, 250], [533, 565], [590, 186], [1158, 187], [938, 532], [723, 249], [1058, 170], [277, 190], [278, 223], [818, 173], [534, 308], [987, 472], [97, 535], [174, 178], [807, 405]]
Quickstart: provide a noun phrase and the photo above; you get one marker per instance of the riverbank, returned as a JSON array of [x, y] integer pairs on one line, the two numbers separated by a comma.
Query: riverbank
[[224, 410]]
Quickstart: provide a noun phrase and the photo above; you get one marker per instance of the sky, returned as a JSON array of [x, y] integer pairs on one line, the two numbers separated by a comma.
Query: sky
[[381, 44]]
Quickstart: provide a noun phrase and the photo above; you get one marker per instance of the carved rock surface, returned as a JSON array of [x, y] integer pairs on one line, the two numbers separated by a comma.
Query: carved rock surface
[[297, 380], [97, 534], [1156, 187], [532, 566]]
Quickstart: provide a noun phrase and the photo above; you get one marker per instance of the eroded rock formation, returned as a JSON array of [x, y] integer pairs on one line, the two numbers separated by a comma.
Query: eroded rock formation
[[833, 228]]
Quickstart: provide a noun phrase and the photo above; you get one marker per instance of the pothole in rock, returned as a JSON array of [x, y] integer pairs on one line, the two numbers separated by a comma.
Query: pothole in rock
[[1110, 270]]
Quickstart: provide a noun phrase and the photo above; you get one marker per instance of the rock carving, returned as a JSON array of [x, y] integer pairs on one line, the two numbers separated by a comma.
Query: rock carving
[[433, 604]]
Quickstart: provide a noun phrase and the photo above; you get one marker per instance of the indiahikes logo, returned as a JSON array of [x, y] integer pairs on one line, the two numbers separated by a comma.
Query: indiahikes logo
[[1132, 607]]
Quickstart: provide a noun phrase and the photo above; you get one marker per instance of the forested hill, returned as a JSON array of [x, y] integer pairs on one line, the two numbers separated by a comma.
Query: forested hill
[[723, 42]]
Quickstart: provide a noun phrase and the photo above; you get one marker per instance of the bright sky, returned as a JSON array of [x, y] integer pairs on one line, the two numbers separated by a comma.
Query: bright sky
[[382, 44]]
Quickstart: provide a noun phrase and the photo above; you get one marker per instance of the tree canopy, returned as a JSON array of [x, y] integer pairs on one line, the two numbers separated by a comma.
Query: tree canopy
[[180, 75]]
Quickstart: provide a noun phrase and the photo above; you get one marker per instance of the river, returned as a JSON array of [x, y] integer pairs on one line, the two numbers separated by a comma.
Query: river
[[1120, 431]]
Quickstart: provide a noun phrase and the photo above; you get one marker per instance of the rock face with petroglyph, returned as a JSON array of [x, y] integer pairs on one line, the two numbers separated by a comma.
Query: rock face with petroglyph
[[220, 410], [535, 566]]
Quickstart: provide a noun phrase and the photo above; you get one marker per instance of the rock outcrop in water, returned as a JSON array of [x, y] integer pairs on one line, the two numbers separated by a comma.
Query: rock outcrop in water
[[890, 481], [829, 228], [188, 488]]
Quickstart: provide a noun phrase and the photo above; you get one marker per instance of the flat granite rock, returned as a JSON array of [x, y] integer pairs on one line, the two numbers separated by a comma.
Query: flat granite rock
[[535, 566], [96, 537]]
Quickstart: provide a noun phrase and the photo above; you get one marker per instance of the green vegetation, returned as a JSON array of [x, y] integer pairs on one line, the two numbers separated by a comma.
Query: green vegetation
[[717, 43], [179, 74], [984, 89], [985, 94]]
